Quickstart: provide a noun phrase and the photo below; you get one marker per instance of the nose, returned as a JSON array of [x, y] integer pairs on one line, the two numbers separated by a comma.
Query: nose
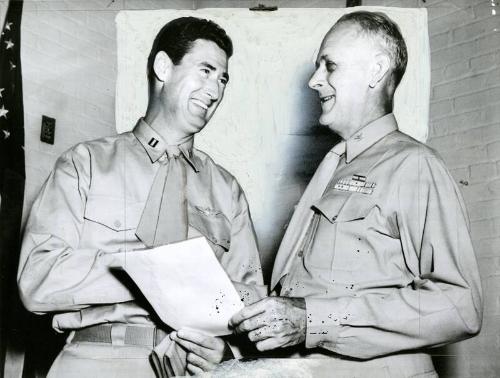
[[212, 89], [316, 80]]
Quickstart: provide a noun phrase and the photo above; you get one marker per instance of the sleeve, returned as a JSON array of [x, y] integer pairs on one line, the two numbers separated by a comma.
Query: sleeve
[[443, 302], [242, 261], [54, 273]]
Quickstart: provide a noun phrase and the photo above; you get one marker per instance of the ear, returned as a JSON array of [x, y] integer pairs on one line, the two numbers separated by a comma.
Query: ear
[[380, 69], [162, 66]]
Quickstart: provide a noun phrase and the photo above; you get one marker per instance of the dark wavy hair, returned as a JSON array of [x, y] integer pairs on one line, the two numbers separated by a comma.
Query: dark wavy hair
[[380, 26], [178, 36]]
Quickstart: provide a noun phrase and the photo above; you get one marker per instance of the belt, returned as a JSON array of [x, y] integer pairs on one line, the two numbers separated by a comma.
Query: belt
[[120, 334]]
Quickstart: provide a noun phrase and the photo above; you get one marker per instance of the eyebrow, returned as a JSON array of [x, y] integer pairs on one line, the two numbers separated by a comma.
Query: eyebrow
[[225, 75]]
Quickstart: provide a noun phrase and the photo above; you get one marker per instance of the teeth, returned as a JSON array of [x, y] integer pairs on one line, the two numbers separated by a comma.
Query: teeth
[[200, 103], [327, 98]]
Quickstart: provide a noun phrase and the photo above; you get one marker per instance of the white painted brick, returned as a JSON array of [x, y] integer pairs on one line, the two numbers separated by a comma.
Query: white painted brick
[[437, 76], [457, 69], [462, 51], [478, 99], [460, 174], [483, 229], [439, 41], [440, 109], [485, 9], [486, 210], [489, 266], [493, 150], [442, 24], [491, 133], [475, 29], [438, 10], [463, 157], [462, 86], [456, 123], [485, 62], [482, 171], [490, 114]]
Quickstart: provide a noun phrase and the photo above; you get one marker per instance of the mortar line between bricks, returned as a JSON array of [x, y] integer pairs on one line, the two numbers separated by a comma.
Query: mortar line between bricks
[[447, 15], [460, 131], [472, 74], [479, 36], [468, 111]]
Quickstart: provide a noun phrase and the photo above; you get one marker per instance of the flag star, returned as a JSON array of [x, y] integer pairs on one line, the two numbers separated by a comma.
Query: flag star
[[8, 25], [9, 44], [3, 112], [6, 134], [12, 65], [1, 90]]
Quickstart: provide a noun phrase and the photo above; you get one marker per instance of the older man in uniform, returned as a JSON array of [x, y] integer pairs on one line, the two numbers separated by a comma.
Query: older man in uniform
[[140, 189], [377, 261]]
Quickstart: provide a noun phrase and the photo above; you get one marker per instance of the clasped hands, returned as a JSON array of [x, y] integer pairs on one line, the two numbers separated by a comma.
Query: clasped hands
[[273, 322]]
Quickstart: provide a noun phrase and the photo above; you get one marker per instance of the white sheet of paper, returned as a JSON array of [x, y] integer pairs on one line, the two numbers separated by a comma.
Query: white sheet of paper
[[186, 285]]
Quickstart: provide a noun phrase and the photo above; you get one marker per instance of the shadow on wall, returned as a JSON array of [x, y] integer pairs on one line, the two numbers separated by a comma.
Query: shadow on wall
[[300, 150]]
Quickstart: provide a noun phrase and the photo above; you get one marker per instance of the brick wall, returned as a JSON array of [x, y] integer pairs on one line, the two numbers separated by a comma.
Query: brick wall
[[69, 68], [465, 129]]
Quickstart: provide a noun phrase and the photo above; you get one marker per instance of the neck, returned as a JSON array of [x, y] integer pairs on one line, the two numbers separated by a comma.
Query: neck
[[164, 125], [367, 119], [377, 106]]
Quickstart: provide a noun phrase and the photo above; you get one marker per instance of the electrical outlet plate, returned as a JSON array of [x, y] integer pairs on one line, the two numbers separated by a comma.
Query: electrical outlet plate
[[48, 129]]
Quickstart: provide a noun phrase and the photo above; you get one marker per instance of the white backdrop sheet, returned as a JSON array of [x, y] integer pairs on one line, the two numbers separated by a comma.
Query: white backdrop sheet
[[267, 99]]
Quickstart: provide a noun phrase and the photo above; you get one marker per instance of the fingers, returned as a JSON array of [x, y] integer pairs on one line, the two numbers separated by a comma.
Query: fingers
[[193, 369], [260, 334], [199, 338], [248, 312], [200, 363], [251, 324], [276, 322], [269, 344], [206, 347], [193, 348]]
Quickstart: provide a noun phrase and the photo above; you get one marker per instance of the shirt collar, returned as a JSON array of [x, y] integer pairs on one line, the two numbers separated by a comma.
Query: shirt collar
[[157, 148], [369, 135]]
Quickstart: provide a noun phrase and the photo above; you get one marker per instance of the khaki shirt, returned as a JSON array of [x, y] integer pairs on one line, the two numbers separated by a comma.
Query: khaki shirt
[[388, 263], [90, 207]]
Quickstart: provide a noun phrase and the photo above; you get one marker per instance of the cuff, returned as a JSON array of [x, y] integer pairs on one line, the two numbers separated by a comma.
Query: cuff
[[323, 321]]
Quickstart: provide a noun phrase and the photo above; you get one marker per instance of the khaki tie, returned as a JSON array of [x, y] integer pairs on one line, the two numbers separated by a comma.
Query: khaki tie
[[164, 218], [303, 214]]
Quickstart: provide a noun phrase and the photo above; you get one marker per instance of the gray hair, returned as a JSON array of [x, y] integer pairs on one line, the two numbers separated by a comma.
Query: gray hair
[[379, 25]]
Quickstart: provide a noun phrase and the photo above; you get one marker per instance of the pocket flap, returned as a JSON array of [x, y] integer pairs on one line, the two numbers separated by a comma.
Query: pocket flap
[[114, 213], [343, 208], [212, 224]]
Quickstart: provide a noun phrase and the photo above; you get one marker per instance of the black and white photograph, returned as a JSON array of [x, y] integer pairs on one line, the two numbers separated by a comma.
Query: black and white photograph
[[242, 188]]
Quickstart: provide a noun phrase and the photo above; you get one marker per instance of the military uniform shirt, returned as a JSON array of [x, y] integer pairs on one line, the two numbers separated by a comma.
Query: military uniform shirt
[[388, 263], [90, 207]]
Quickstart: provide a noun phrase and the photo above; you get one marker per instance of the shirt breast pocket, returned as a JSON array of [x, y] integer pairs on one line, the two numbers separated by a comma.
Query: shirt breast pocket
[[348, 222], [110, 220], [213, 225]]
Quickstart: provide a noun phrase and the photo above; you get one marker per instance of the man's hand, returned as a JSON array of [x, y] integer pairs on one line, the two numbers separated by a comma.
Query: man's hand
[[273, 322], [203, 351]]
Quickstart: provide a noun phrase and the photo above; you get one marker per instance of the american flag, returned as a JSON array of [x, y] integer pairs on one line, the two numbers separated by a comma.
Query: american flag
[[12, 173]]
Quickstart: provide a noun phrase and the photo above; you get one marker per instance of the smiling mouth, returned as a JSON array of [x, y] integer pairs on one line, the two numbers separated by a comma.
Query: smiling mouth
[[326, 98], [200, 103]]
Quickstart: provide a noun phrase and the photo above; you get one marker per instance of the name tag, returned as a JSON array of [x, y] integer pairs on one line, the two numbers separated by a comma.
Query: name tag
[[356, 183]]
